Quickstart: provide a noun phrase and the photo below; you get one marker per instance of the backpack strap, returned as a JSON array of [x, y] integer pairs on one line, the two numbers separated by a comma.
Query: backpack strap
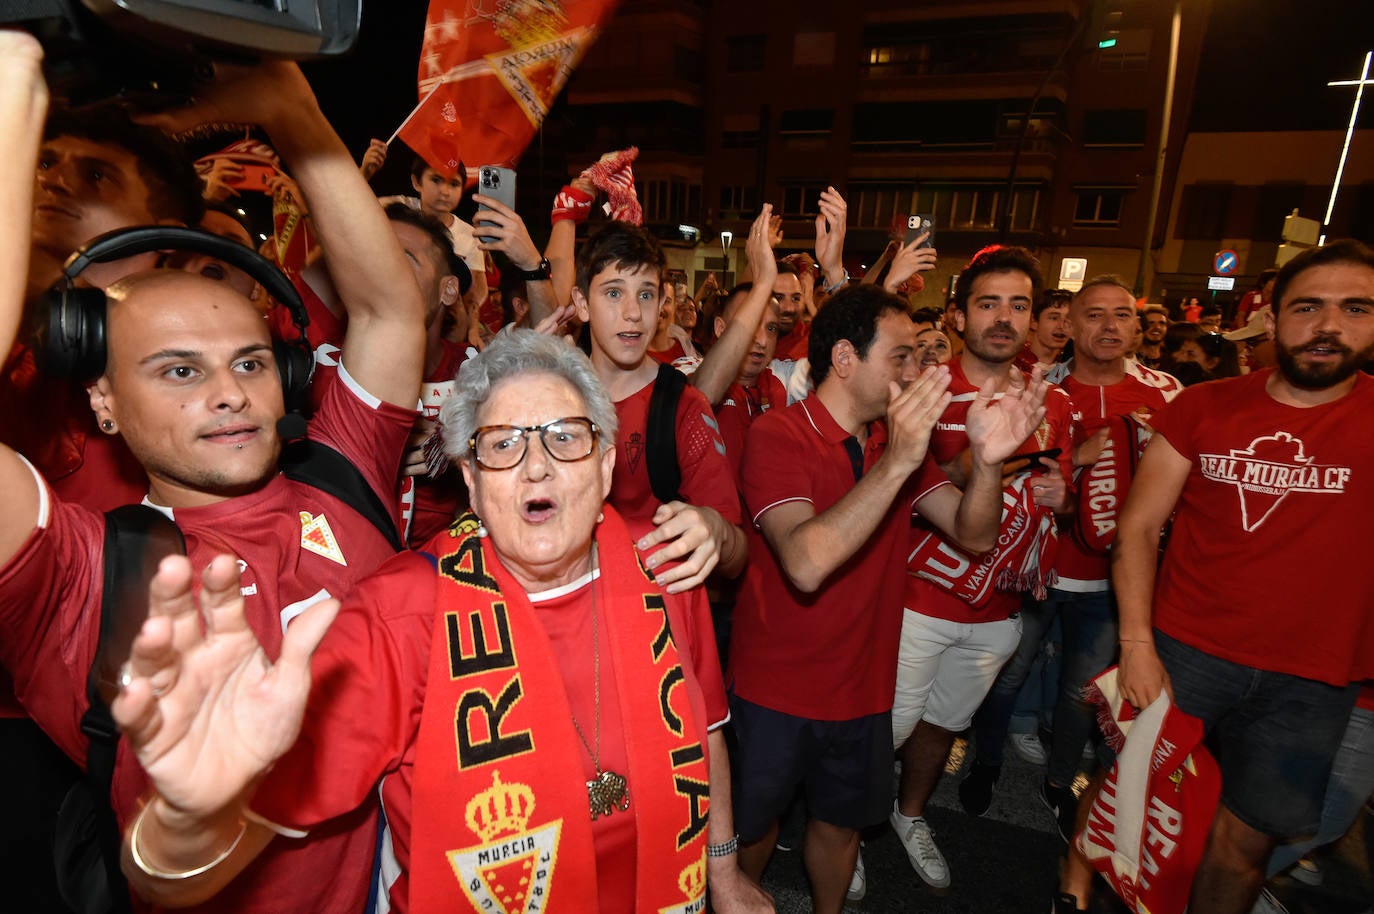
[[319, 465], [137, 538], [665, 475]]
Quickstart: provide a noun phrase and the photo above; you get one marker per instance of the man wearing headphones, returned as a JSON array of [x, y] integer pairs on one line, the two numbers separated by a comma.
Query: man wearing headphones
[[188, 375]]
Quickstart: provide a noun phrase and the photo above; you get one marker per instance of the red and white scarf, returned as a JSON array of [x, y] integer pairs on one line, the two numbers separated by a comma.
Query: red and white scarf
[[1148, 827], [1022, 560], [1102, 487], [502, 821]]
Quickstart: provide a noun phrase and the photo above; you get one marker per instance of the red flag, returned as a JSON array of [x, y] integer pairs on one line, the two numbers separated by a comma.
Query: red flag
[[500, 67]]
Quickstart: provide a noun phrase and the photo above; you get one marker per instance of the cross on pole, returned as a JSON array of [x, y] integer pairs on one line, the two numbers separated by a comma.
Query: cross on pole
[[1359, 85]]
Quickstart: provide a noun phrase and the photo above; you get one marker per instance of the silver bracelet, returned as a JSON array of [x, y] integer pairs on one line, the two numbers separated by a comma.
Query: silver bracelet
[[184, 874], [844, 281], [723, 850]]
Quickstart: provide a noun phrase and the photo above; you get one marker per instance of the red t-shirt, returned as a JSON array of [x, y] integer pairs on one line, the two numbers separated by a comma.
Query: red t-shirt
[[50, 422], [50, 595], [325, 334], [1261, 567], [706, 478], [832, 654], [796, 344], [428, 505], [364, 713], [947, 441], [1143, 391], [739, 409], [668, 356]]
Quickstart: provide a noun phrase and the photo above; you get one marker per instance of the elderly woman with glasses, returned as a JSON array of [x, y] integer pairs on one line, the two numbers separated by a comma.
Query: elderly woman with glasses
[[536, 712]]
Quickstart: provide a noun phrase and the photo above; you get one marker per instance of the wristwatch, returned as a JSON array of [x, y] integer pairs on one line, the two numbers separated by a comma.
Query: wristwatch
[[542, 272]]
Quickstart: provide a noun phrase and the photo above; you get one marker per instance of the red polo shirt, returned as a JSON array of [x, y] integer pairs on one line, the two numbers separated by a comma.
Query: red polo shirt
[[829, 655]]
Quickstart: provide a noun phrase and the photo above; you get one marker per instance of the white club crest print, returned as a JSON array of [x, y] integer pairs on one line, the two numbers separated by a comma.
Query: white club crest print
[[1272, 469]]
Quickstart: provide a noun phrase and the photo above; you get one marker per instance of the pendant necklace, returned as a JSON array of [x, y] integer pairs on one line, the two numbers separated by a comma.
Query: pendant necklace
[[608, 791]]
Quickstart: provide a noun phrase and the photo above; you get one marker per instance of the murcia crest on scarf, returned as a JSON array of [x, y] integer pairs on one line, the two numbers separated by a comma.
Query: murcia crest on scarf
[[497, 740]]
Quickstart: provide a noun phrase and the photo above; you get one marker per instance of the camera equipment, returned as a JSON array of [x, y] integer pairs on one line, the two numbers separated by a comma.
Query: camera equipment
[[152, 53]]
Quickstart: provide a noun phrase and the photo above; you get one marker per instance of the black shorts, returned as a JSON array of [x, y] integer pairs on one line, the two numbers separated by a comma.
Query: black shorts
[[1274, 735], [844, 765]]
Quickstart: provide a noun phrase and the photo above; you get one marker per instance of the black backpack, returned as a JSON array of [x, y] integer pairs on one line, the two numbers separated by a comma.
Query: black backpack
[[660, 440]]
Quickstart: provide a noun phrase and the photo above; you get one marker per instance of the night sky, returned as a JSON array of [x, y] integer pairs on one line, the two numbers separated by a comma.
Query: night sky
[[1266, 63], [1265, 66]]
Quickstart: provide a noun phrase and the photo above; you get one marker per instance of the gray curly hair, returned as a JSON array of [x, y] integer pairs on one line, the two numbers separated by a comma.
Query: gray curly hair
[[515, 352]]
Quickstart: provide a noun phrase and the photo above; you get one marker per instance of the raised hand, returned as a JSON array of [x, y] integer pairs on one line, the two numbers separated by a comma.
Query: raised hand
[[261, 94], [204, 710], [830, 230], [556, 324], [373, 159], [758, 247], [996, 427], [218, 174], [506, 226], [909, 260], [912, 414], [774, 228]]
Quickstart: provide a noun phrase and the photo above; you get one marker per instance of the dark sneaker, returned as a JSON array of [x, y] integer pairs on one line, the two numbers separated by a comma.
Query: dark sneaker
[[1064, 903], [1064, 805], [975, 790]]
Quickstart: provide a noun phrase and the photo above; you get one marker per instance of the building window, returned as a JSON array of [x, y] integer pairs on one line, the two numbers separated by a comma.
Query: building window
[[1202, 212], [1112, 128], [670, 200], [688, 65], [739, 131], [802, 199], [807, 122], [738, 201], [955, 207], [813, 49], [744, 53], [1100, 208]]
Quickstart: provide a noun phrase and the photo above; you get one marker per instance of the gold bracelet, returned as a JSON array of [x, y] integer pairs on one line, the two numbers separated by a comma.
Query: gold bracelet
[[184, 874]]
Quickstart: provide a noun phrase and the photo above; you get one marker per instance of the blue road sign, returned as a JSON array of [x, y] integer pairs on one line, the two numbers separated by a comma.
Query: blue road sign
[[1225, 263]]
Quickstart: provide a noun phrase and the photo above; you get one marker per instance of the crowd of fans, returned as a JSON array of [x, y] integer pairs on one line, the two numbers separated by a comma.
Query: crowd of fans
[[771, 538]]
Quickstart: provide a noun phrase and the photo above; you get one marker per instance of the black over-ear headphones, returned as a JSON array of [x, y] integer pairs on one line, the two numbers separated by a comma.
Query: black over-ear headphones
[[72, 343]]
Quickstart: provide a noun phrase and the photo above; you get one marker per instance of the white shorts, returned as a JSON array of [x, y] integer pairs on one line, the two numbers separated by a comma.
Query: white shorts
[[945, 669]]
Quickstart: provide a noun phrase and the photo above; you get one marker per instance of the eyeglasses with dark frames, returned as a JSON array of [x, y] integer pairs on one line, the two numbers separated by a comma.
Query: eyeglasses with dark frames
[[502, 447]]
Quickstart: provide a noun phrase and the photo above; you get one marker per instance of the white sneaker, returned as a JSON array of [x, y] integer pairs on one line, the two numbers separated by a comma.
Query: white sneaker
[[919, 842], [1029, 748], [858, 883]]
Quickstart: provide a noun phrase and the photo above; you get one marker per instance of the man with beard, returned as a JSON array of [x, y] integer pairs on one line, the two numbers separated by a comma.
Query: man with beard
[[1154, 323], [956, 633], [1104, 386], [1265, 465]]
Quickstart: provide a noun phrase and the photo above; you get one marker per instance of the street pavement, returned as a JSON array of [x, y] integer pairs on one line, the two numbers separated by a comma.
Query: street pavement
[[1007, 861]]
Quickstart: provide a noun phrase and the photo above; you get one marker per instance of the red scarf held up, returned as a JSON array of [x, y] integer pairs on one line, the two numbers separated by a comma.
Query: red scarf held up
[[502, 822], [1102, 487]]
